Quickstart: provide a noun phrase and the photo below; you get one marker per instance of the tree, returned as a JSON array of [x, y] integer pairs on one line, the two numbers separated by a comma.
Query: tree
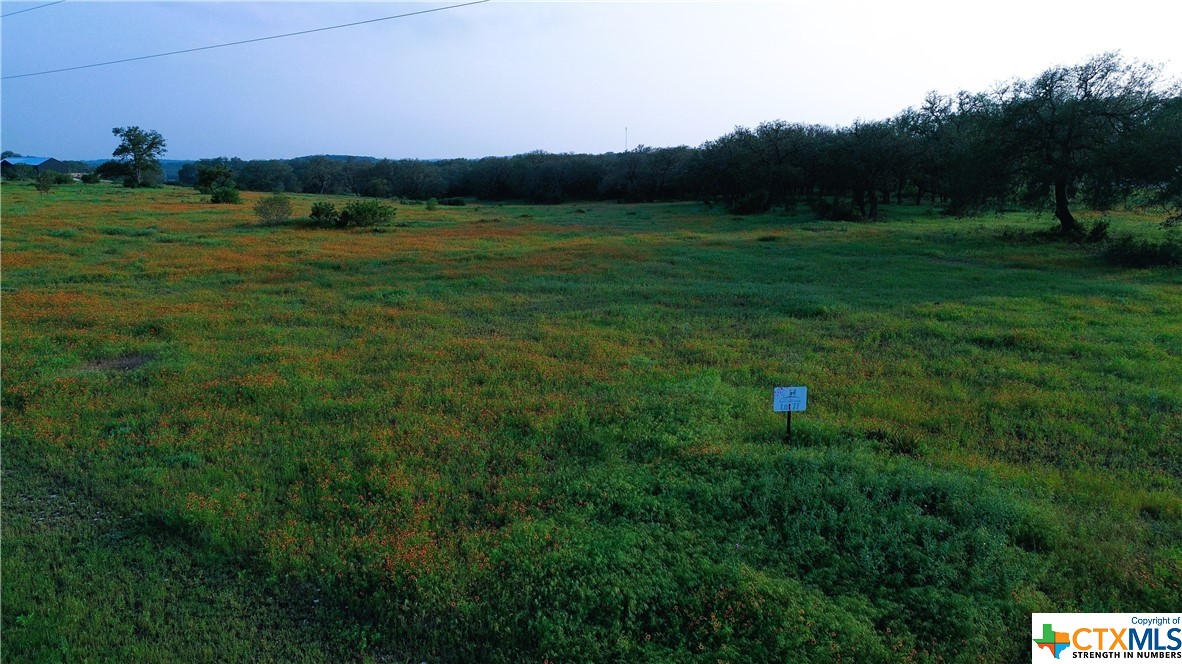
[[375, 188], [213, 175], [216, 178], [488, 178], [1145, 166], [419, 180], [1058, 123], [141, 149], [320, 175], [187, 175], [270, 175], [113, 170], [958, 152], [641, 174], [45, 183], [729, 173], [1160, 149], [781, 150]]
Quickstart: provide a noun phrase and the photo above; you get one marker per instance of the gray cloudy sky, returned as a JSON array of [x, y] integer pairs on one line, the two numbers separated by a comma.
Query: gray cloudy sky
[[504, 78]]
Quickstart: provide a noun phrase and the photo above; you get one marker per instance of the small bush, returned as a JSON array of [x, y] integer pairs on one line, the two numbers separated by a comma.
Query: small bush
[[45, 183], [1128, 251], [324, 213], [1175, 215], [834, 210], [432, 203], [90, 178], [1097, 233], [57, 178], [365, 213], [225, 195], [273, 209], [753, 203]]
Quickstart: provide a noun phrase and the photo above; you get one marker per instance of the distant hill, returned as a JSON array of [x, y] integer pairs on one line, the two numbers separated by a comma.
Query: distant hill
[[338, 157]]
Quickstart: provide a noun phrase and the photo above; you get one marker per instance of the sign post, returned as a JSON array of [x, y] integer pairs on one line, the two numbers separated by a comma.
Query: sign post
[[786, 400]]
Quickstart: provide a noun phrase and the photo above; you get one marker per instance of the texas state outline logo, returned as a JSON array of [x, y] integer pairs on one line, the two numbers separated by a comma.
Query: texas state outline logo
[[1055, 642]]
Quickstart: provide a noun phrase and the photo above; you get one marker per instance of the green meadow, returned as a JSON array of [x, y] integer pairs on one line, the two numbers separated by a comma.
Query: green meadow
[[544, 433]]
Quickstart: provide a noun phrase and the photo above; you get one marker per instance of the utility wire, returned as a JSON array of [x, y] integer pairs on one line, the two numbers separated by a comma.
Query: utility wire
[[244, 41], [48, 4]]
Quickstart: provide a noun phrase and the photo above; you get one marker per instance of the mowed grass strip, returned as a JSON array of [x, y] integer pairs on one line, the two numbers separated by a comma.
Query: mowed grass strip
[[512, 432]]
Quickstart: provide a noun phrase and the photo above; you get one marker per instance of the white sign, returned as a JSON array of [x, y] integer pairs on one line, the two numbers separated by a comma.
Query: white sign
[[790, 399], [1104, 635]]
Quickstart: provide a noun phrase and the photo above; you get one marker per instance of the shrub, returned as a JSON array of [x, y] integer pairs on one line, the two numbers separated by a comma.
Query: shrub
[[834, 210], [365, 213], [1097, 233], [57, 178], [273, 209], [225, 195], [324, 213], [752, 203], [90, 178], [432, 203], [1130, 252], [45, 183]]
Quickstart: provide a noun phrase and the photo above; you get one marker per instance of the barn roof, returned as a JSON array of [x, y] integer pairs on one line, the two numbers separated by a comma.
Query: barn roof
[[28, 161]]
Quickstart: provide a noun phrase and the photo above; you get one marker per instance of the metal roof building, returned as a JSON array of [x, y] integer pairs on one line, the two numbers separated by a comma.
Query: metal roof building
[[42, 164]]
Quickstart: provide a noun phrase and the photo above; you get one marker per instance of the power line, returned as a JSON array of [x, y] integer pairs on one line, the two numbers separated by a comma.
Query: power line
[[48, 4], [244, 41]]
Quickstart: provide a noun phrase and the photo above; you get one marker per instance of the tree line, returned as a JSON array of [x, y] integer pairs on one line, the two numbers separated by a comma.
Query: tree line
[[1102, 132]]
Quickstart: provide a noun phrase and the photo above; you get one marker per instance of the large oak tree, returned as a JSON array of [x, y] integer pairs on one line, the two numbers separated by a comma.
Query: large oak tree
[[1059, 124], [141, 150]]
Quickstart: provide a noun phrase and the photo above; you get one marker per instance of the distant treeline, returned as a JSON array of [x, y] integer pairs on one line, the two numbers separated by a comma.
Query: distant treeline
[[1103, 131]]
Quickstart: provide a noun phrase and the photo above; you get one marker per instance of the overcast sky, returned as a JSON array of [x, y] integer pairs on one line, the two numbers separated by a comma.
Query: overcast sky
[[503, 78]]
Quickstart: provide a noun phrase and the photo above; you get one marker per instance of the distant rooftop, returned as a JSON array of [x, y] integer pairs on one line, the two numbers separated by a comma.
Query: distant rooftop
[[28, 161]]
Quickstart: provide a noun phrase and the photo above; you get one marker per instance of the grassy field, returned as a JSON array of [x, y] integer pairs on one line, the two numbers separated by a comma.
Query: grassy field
[[516, 433]]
